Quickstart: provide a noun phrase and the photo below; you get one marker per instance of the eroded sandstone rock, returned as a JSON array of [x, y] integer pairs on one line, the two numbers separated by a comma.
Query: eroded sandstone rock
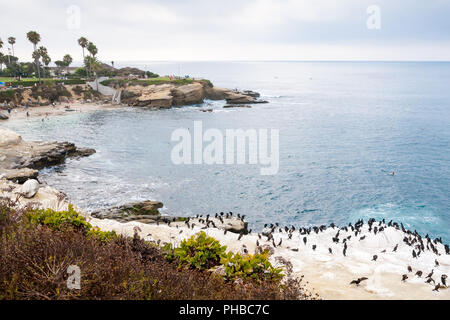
[[21, 159]]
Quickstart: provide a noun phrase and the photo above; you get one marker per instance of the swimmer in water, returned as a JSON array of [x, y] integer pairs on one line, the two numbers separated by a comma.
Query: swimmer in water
[[393, 173]]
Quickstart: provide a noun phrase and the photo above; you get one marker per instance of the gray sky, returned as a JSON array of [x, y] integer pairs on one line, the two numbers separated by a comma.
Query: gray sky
[[232, 29]]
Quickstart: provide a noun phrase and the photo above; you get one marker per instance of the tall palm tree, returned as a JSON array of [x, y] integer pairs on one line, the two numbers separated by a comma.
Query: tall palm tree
[[93, 51], [67, 59], [12, 42], [92, 48], [35, 38], [43, 53], [46, 60], [83, 42], [2, 56]]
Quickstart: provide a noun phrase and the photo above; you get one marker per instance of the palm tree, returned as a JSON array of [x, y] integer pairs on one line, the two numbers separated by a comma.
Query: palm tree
[[93, 51], [67, 59], [83, 42], [12, 42], [35, 38], [43, 53], [1, 55], [46, 60]]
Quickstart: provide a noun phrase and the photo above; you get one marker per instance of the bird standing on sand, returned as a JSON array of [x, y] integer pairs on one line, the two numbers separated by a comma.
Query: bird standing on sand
[[444, 280], [375, 257], [419, 273], [404, 277], [395, 248], [409, 269]]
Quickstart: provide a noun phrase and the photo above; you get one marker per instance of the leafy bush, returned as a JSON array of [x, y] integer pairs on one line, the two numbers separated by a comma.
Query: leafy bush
[[200, 251], [7, 95], [151, 74], [33, 83], [34, 261], [103, 236], [256, 267], [156, 81], [59, 220], [203, 252]]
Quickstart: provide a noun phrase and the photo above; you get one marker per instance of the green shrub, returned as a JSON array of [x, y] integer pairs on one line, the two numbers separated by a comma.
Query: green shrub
[[70, 219], [152, 75], [59, 220], [7, 95], [256, 267], [147, 82], [200, 252], [103, 236], [32, 83]]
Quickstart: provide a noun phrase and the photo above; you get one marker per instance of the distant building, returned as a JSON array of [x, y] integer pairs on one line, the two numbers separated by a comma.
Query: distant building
[[63, 71]]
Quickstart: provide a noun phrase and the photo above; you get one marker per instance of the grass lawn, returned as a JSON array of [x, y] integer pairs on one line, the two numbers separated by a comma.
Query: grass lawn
[[150, 81], [6, 79]]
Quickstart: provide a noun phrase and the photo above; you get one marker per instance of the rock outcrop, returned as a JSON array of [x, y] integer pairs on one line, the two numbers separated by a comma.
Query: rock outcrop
[[145, 212], [188, 94], [29, 189], [236, 106], [164, 96], [21, 160]]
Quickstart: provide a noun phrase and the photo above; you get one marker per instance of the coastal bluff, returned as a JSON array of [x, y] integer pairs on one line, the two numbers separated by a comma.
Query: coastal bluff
[[169, 95], [21, 160]]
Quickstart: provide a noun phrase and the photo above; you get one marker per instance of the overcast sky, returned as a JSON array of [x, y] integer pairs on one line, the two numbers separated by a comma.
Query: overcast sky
[[232, 29]]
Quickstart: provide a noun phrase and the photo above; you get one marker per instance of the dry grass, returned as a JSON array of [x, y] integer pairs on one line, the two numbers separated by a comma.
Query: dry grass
[[34, 261]]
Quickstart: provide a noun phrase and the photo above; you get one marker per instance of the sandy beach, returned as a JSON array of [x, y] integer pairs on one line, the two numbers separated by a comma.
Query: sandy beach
[[60, 109]]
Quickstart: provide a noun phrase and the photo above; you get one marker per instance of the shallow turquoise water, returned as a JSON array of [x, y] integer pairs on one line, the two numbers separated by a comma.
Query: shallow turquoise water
[[343, 128]]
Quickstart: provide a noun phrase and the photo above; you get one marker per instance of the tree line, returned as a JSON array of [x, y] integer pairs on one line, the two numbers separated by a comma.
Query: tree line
[[41, 59]]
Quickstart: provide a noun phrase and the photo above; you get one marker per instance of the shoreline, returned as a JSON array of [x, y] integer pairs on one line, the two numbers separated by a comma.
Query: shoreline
[[320, 262], [327, 274], [45, 112]]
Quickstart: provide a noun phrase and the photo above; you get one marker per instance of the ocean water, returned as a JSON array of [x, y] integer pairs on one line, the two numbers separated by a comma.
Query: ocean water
[[344, 127]]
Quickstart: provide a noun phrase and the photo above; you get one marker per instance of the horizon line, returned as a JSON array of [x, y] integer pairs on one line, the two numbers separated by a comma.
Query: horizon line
[[270, 60]]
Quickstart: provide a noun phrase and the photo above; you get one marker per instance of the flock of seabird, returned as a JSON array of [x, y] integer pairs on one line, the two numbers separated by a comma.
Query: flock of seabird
[[343, 236]]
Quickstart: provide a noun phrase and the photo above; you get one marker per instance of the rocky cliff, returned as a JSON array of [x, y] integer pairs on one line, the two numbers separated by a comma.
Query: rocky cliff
[[164, 96], [20, 160]]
